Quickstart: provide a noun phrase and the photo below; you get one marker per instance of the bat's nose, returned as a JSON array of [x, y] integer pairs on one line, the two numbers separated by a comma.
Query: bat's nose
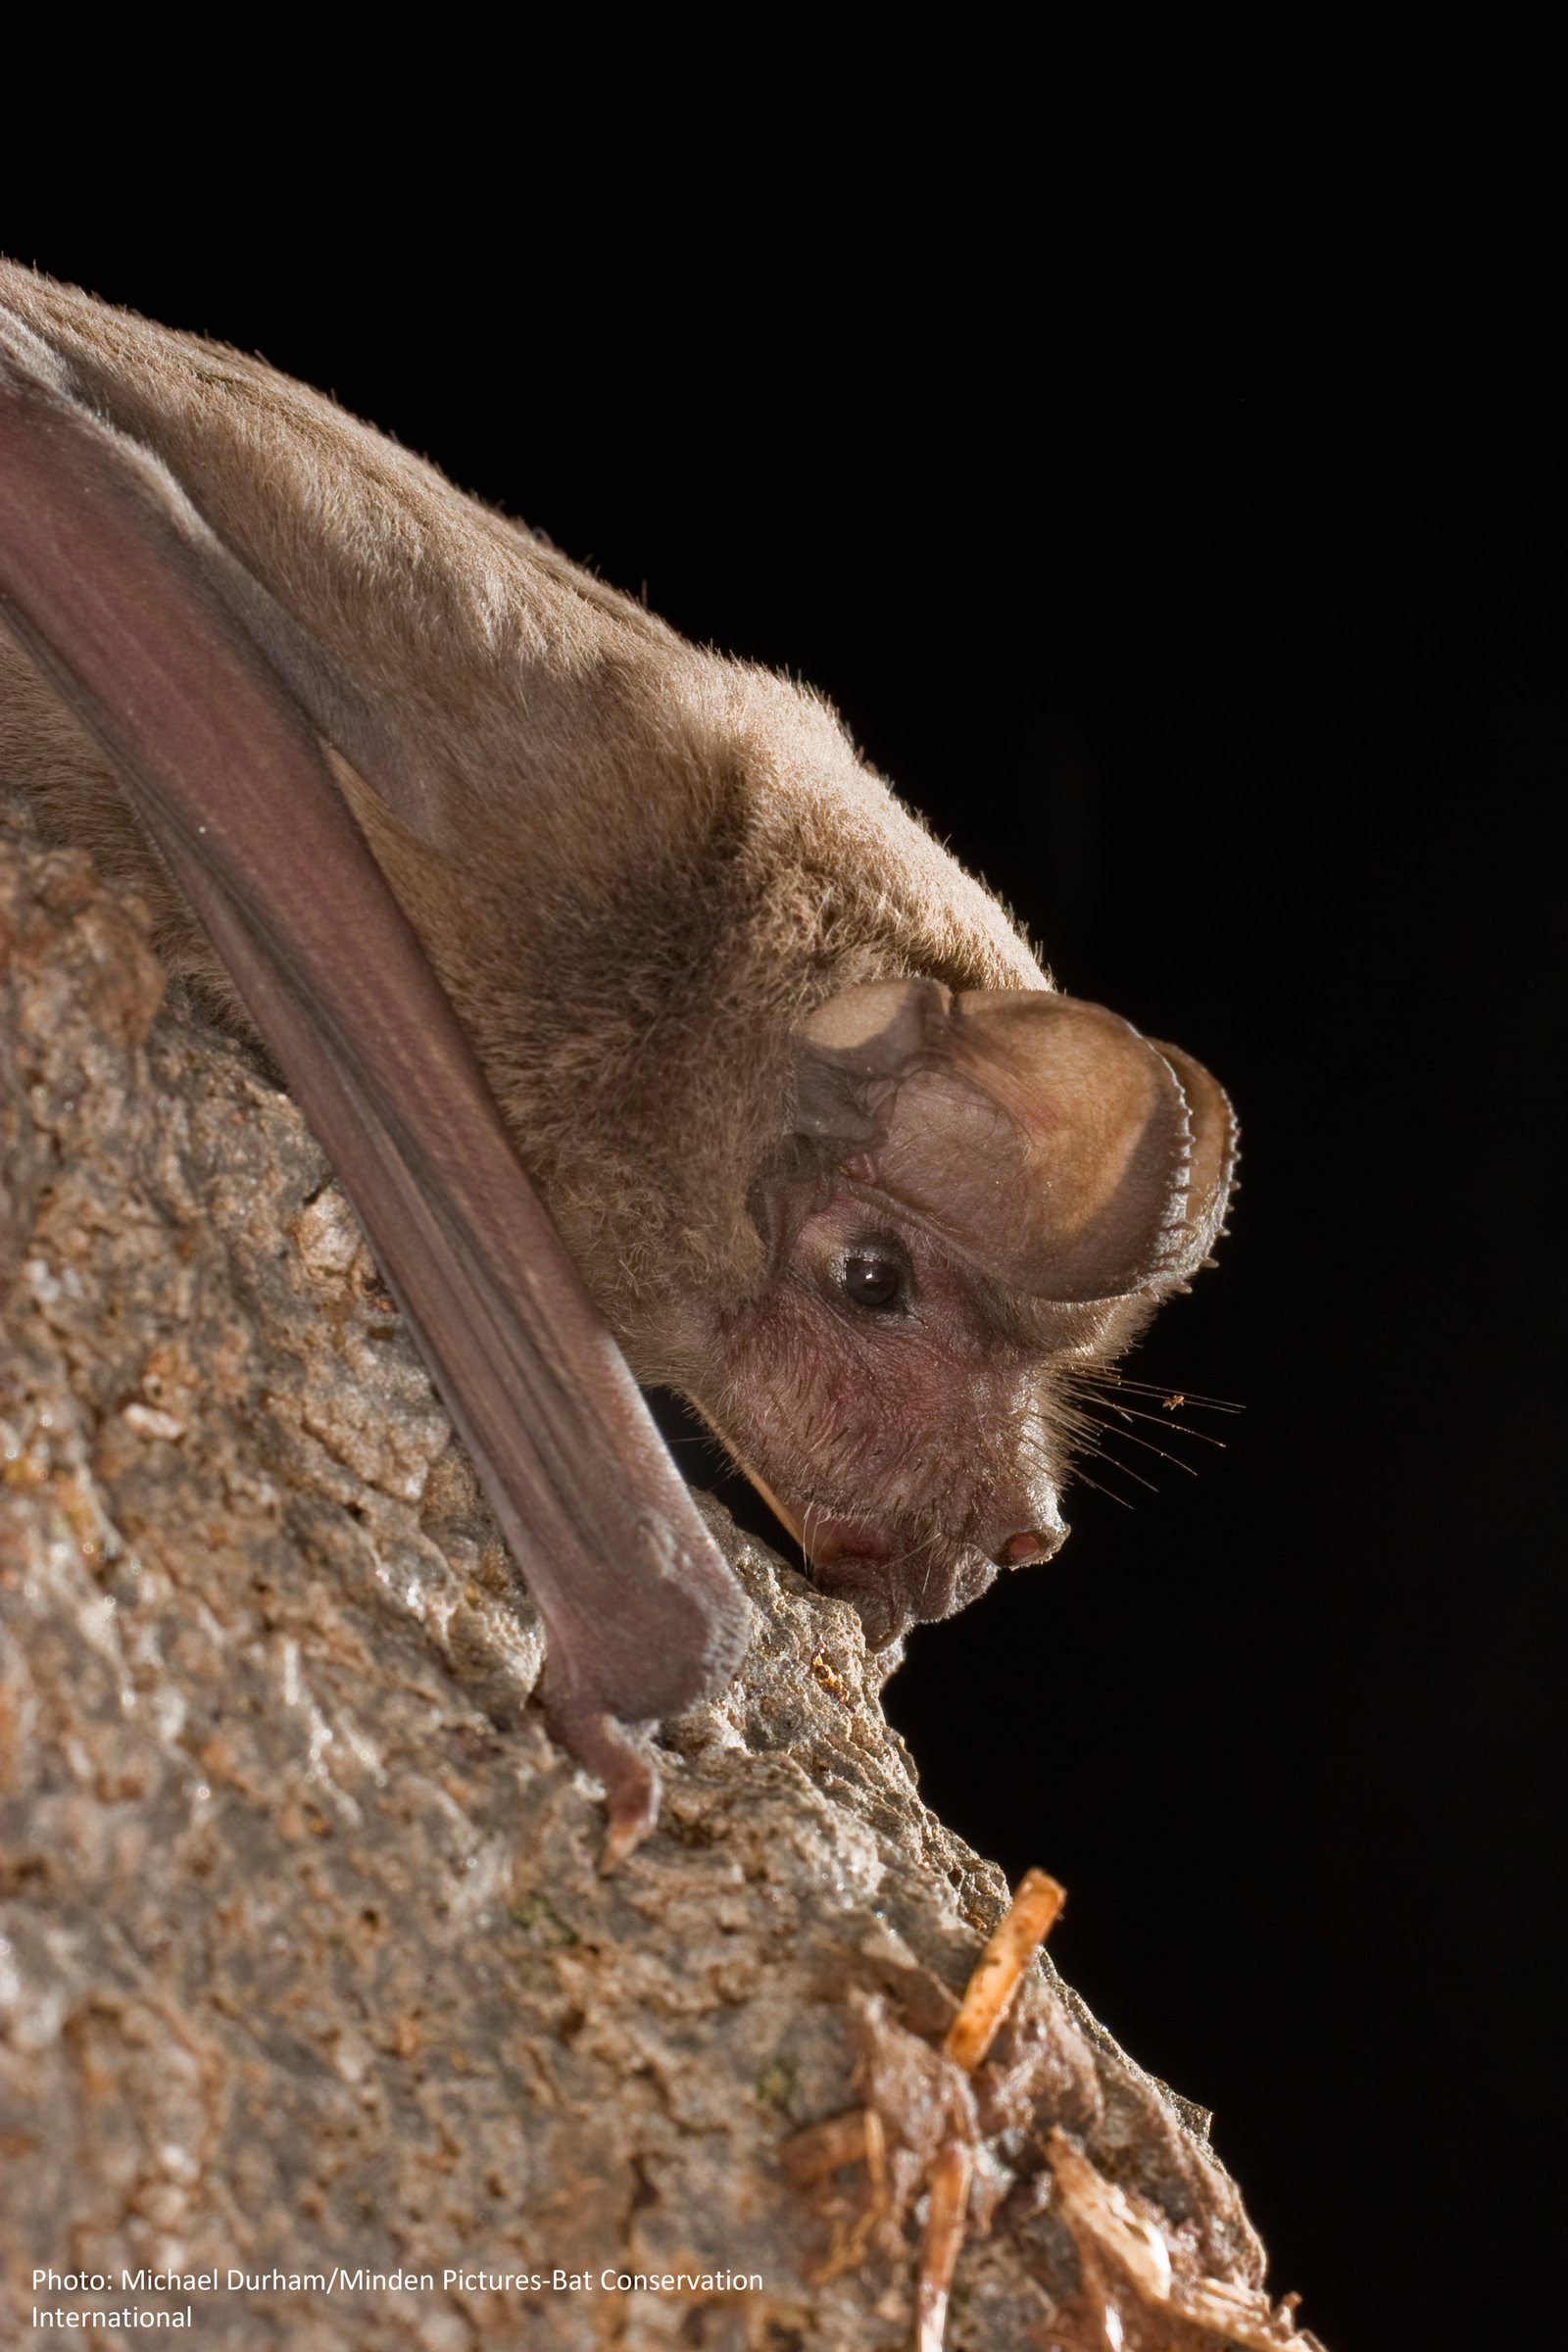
[[1023, 1527]]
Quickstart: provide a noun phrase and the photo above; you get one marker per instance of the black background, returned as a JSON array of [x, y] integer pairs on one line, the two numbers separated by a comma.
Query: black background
[[1240, 676]]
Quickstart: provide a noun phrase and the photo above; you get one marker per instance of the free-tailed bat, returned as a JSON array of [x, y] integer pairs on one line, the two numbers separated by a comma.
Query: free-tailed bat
[[510, 878]]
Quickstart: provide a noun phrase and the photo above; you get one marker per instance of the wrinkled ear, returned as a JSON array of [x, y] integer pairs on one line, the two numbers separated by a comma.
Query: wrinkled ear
[[1211, 1170], [1069, 1156]]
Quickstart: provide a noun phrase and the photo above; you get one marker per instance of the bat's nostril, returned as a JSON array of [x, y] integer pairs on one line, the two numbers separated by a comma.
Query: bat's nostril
[[1035, 1544]]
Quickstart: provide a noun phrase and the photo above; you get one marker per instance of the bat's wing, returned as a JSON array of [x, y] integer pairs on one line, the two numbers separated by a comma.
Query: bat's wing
[[120, 592]]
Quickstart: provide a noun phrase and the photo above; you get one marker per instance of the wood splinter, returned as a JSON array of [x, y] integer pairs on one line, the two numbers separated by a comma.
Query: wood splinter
[[986, 1998], [1002, 1968]]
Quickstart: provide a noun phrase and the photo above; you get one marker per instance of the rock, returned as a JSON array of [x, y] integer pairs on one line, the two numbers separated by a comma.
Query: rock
[[310, 1985]]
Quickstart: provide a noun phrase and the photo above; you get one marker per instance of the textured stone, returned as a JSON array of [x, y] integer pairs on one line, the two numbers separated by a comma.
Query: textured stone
[[307, 1961]]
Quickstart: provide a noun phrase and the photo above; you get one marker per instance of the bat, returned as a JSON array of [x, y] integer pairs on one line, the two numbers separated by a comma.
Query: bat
[[653, 1040]]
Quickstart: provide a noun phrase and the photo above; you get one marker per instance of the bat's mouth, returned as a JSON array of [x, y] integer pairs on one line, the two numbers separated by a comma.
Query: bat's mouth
[[893, 1576], [830, 1541], [827, 1541], [865, 1564], [854, 1560], [847, 1559]]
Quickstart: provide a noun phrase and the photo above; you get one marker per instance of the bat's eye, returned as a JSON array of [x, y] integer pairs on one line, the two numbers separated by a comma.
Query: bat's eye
[[874, 1281]]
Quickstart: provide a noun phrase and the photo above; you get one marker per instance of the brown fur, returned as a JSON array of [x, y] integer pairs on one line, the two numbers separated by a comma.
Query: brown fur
[[666, 857]]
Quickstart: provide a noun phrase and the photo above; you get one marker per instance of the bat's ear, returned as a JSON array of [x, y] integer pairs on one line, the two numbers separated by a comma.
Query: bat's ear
[[1069, 1158]]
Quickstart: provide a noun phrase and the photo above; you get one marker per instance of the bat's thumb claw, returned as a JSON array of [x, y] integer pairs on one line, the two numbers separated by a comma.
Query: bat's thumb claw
[[627, 1830], [622, 1762], [631, 1797]]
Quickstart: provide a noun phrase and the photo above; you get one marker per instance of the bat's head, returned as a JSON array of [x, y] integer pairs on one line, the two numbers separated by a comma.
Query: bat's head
[[983, 1198]]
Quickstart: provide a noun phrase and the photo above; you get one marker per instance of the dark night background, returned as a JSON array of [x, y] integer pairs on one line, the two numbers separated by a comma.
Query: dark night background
[[1243, 681]]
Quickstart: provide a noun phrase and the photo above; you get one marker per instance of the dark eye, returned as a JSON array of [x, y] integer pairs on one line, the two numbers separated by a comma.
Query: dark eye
[[874, 1280]]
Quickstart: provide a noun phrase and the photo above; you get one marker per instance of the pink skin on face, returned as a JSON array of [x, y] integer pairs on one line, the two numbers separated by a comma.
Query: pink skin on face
[[888, 1423]]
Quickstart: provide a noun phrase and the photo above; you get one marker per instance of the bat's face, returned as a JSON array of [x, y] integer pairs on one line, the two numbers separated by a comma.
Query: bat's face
[[985, 1199]]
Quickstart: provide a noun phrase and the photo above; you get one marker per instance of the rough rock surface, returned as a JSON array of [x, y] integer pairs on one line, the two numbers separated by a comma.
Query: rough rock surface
[[306, 1966]]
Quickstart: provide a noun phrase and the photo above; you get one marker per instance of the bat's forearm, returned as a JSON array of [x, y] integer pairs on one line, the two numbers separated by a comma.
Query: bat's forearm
[[104, 579]]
